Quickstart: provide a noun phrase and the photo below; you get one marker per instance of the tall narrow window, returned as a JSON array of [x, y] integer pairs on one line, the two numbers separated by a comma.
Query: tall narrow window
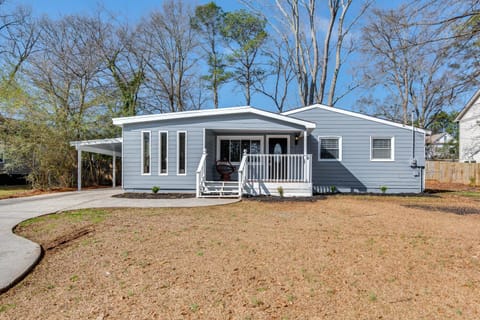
[[146, 152], [163, 152], [182, 152]]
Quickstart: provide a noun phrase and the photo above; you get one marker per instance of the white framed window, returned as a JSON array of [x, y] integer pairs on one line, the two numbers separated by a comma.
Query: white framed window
[[382, 148], [146, 152], [163, 153], [329, 148], [181, 153], [230, 148]]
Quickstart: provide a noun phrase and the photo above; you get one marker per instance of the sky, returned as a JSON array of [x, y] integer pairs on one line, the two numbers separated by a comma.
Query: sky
[[133, 10]]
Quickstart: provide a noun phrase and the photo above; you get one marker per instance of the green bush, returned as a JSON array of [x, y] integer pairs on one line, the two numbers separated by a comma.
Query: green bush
[[155, 189], [383, 189], [280, 191]]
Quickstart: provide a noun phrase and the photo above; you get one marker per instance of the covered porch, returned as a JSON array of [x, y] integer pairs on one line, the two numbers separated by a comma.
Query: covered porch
[[266, 163]]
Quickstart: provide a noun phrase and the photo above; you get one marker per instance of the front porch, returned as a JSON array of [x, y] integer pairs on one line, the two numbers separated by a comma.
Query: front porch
[[265, 164]]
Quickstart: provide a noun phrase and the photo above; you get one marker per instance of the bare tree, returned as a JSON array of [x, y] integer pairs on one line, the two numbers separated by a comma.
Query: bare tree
[[421, 77], [301, 26], [168, 44], [280, 73], [18, 36]]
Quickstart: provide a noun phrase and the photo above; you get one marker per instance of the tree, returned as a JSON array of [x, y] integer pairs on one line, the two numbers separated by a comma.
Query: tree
[[280, 72], [420, 78], [208, 22], [245, 34], [168, 46], [301, 26]]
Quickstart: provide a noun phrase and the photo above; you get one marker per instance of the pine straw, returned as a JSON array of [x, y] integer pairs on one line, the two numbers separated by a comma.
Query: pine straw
[[340, 258]]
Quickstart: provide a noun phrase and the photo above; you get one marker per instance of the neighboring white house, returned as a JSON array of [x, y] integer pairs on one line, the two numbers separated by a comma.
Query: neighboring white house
[[439, 146], [469, 130]]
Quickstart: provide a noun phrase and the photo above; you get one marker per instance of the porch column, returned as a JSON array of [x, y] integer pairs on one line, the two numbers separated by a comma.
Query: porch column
[[305, 142], [306, 168], [114, 170], [79, 169]]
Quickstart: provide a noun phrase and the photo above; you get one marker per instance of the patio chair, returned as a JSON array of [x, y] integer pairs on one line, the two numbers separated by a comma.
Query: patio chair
[[225, 169]]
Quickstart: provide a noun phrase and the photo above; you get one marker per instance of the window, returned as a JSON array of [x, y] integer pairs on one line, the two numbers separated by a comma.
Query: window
[[330, 148], [182, 152], [382, 149], [231, 148], [146, 152], [163, 153]]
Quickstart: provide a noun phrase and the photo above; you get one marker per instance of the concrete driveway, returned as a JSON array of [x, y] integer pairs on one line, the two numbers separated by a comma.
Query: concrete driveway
[[18, 255]]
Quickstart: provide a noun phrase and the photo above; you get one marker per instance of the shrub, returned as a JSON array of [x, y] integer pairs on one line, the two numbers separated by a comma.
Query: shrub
[[280, 191], [383, 189], [333, 189], [155, 189]]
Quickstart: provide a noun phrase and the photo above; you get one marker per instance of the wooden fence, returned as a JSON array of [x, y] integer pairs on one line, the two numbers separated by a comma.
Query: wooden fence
[[453, 172]]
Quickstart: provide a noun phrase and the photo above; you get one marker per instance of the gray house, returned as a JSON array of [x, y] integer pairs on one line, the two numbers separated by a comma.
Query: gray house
[[300, 152]]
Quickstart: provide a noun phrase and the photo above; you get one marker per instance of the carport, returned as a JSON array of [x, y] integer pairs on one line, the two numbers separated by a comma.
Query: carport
[[110, 147]]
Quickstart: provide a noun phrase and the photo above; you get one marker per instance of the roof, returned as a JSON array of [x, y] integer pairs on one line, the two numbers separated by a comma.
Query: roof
[[211, 112], [103, 146], [467, 107], [353, 114], [437, 136]]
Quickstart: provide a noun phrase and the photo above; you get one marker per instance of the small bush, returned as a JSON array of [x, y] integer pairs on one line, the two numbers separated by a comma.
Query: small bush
[[473, 181], [333, 189], [155, 189], [383, 189], [280, 191]]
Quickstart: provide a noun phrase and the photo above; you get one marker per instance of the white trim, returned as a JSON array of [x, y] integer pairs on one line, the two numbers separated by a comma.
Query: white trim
[[149, 151], [178, 153], [211, 112], [219, 138], [392, 148], [95, 142], [340, 148], [353, 114], [160, 155], [277, 136]]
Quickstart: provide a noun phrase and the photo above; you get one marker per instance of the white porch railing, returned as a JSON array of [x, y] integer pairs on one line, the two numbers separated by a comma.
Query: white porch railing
[[275, 168], [201, 173]]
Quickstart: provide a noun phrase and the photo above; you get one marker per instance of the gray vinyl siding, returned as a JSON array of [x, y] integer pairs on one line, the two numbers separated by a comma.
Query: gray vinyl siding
[[244, 124], [356, 172]]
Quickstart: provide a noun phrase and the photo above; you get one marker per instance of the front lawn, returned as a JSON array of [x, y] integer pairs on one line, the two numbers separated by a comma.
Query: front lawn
[[344, 257]]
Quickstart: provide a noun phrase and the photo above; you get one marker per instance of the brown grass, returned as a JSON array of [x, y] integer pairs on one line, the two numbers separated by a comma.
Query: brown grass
[[346, 257]]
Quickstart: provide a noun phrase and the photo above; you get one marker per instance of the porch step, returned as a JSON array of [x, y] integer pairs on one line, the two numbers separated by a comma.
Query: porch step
[[220, 189]]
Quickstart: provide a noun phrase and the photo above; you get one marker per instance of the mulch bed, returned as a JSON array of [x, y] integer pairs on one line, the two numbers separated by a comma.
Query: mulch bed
[[283, 199], [145, 195]]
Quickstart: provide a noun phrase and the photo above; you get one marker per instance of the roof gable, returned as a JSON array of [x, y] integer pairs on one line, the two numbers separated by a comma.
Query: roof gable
[[211, 112], [352, 114], [467, 107]]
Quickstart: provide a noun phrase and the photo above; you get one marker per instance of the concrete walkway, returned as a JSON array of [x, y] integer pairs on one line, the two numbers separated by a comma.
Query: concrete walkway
[[18, 255]]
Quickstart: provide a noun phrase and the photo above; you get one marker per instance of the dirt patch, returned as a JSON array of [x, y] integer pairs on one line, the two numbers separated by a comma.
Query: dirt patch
[[448, 209], [362, 257], [65, 239], [146, 195]]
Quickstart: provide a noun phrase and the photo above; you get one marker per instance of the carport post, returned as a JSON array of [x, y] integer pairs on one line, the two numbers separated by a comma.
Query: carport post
[[114, 170], [79, 169]]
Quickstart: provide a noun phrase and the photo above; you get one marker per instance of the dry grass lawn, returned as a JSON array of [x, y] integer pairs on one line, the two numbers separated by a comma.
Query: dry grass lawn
[[345, 257]]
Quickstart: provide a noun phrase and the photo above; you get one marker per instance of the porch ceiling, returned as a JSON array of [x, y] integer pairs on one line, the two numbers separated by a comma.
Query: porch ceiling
[[107, 147]]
